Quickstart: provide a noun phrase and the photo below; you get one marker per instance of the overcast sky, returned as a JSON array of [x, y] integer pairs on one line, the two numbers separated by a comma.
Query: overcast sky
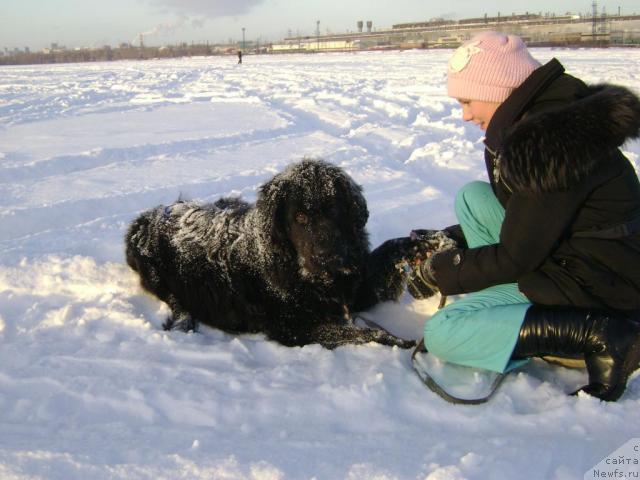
[[75, 23]]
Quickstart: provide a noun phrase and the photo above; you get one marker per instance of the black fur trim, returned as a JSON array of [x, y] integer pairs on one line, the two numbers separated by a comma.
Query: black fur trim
[[556, 149]]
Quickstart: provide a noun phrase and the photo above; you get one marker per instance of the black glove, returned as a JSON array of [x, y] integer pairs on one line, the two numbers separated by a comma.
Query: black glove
[[421, 281]]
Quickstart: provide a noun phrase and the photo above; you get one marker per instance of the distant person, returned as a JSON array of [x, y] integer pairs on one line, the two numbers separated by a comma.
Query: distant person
[[239, 56], [548, 252]]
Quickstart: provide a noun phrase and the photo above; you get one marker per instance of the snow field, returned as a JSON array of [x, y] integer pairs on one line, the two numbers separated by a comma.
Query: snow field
[[90, 385]]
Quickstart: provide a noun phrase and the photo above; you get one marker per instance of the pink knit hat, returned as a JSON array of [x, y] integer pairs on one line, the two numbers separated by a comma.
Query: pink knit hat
[[489, 67]]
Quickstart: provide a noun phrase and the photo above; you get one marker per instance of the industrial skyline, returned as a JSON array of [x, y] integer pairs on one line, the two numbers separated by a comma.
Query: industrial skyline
[[37, 24]]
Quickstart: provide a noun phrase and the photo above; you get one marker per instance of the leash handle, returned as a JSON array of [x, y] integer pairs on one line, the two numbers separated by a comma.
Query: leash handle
[[443, 302]]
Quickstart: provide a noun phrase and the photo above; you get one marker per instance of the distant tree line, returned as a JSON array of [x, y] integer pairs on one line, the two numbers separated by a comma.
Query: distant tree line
[[107, 54]]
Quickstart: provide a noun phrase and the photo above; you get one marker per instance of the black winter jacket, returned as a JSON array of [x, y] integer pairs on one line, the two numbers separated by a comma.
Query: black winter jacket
[[570, 234]]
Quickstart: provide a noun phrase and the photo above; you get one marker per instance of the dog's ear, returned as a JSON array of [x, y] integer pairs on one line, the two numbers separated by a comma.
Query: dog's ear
[[351, 194], [273, 231], [271, 205], [360, 204]]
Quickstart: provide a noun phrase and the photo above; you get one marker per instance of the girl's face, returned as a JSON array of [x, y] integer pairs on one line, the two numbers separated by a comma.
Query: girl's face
[[478, 112]]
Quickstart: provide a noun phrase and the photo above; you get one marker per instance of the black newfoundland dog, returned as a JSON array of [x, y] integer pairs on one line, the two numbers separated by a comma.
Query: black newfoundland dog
[[293, 266]]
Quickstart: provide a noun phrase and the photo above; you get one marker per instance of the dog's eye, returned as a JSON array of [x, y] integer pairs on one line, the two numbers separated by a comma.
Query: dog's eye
[[302, 218]]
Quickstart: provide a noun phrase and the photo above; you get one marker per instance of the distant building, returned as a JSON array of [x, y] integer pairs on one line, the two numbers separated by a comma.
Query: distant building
[[536, 29], [308, 44]]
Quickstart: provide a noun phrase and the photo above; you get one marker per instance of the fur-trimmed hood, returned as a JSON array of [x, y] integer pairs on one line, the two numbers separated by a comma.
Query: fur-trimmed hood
[[553, 150]]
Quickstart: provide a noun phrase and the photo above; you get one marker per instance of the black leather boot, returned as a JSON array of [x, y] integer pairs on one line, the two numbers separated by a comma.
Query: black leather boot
[[610, 343]]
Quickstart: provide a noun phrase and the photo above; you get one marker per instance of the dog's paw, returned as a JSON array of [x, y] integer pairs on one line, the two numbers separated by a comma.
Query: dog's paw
[[182, 322]]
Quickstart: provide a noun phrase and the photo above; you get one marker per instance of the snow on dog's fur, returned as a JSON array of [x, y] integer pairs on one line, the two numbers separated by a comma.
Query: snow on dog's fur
[[293, 266]]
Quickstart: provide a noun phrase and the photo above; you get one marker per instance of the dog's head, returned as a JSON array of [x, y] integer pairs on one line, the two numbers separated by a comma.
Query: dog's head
[[314, 217]]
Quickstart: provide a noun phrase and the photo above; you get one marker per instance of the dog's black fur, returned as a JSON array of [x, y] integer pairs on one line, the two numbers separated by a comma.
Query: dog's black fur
[[293, 266]]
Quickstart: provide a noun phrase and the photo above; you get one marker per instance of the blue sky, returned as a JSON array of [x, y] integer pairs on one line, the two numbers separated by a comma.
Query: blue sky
[[75, 23]]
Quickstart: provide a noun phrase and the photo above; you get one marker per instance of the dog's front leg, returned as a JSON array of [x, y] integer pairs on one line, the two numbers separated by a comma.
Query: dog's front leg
[[332, 335], [179, 319], [384, 280]]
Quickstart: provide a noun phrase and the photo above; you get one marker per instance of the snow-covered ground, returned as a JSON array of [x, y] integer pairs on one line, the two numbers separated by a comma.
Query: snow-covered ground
[[90, 385]]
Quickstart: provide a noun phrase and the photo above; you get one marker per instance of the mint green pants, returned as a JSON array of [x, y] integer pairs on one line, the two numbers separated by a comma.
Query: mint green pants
[[481, 328]]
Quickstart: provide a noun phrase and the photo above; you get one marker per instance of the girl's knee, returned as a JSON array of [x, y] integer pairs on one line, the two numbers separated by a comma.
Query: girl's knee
[[479, 213], [433, 325], [439, 329], [470, 194]]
